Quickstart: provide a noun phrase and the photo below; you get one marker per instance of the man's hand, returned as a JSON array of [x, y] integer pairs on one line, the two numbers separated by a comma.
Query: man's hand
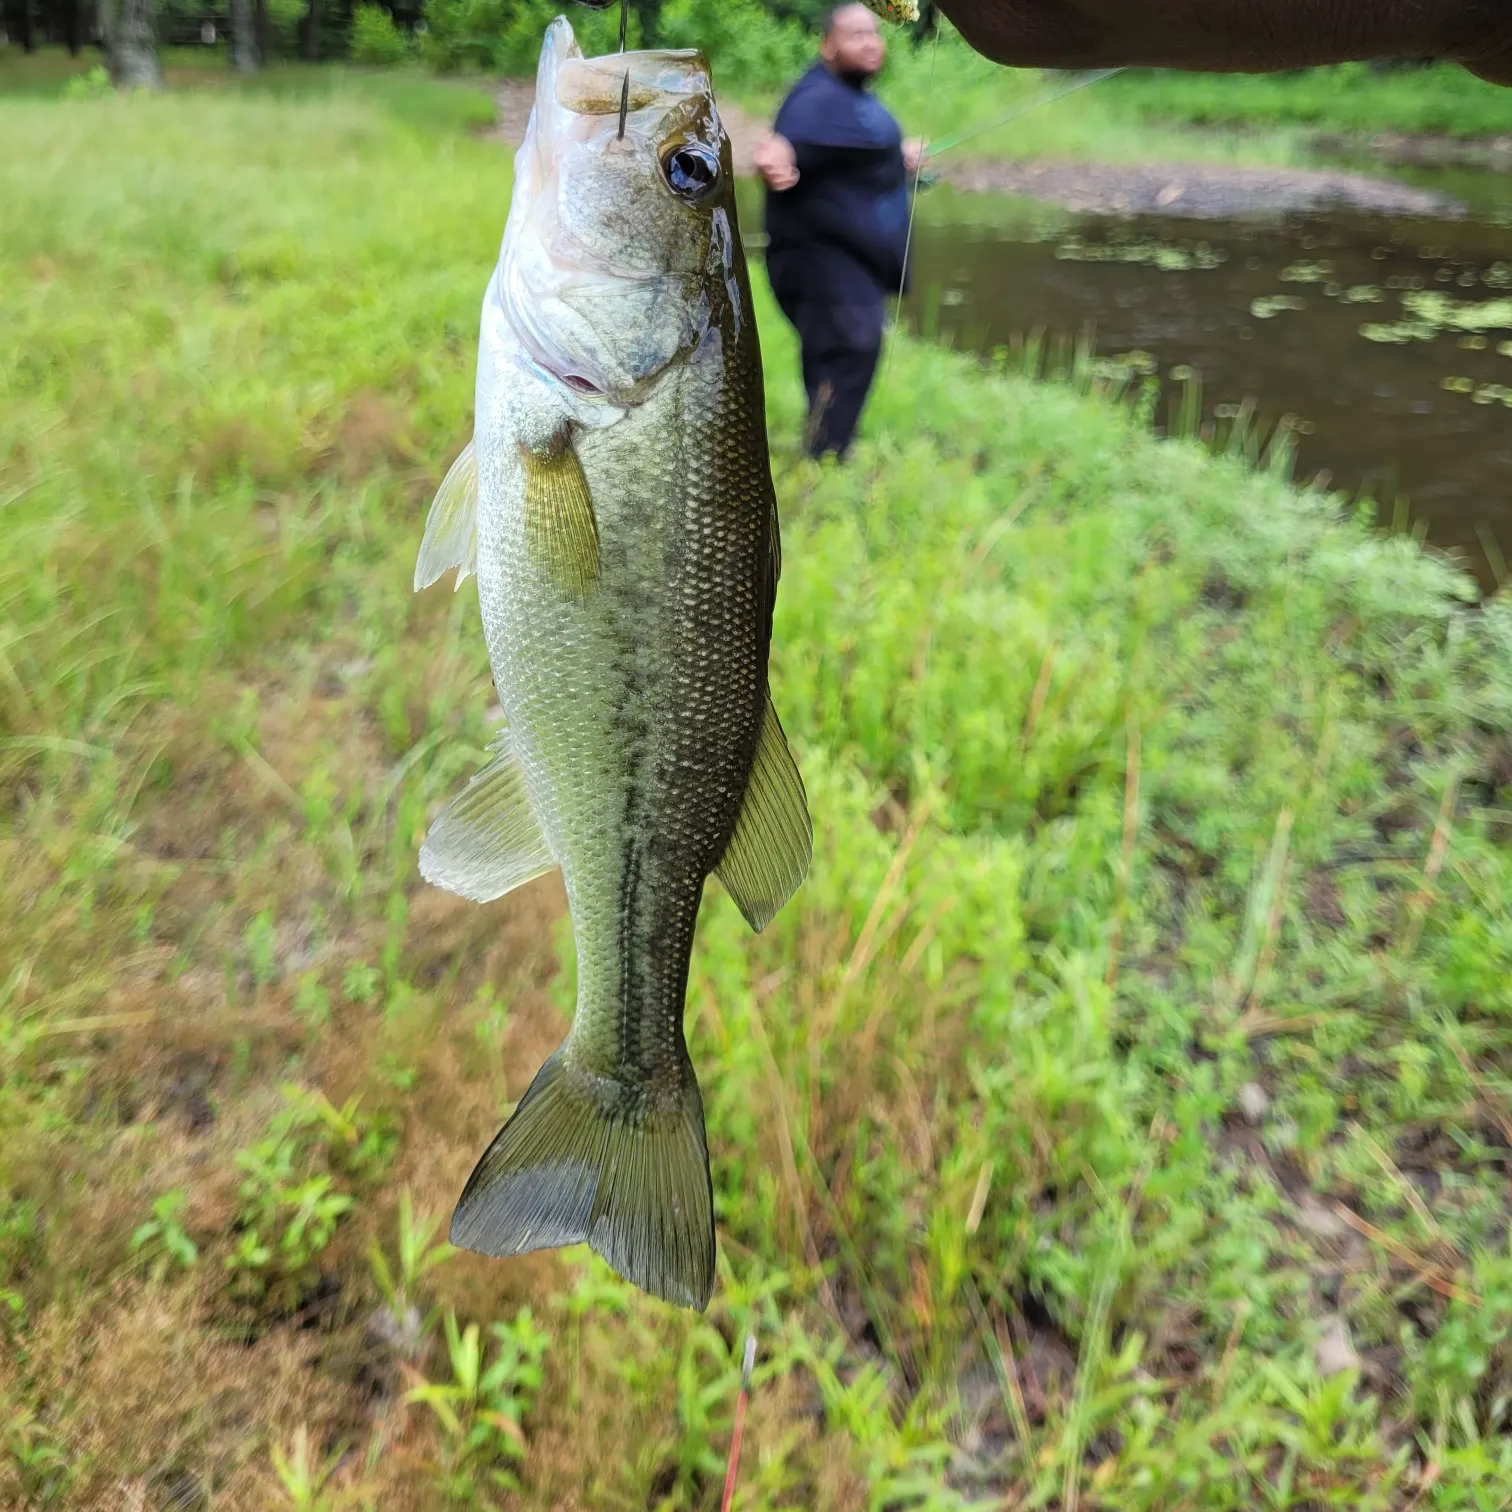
[[913, 153], [775, 161], [1236, 36]]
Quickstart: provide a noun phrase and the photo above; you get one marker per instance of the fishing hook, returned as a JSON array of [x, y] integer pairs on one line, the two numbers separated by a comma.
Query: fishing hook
[[624, 31], [625, 87]]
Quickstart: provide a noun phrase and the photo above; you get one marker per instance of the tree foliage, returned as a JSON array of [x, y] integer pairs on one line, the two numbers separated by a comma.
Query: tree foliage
[[761, 38]]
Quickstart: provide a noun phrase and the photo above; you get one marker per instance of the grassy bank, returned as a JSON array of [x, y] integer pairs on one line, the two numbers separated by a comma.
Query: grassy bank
[[1118, 1118], [940, 90], [1350, 99], [411, 95], [940, 87]]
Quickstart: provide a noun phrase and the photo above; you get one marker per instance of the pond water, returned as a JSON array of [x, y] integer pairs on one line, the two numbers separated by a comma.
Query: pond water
[[1386, 342]]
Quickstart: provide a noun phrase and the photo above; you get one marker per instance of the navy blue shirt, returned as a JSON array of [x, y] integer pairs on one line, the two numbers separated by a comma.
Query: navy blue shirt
[[839, 235]]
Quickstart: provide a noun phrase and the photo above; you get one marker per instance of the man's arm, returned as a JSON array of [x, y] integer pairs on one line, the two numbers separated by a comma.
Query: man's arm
[[783, 164], [1236, 36], [776, 161]]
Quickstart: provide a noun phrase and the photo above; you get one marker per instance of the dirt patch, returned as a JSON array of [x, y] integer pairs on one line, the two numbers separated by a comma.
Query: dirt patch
[[1203, 190], [515, 97], [369, 435], [1425, 151]]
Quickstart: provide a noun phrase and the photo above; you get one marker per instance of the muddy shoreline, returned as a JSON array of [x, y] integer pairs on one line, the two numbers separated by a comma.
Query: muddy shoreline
[[1213, 191], [1200, 190]]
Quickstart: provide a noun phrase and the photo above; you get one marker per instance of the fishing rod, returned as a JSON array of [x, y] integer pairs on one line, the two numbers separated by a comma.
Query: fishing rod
[[732, 1465]]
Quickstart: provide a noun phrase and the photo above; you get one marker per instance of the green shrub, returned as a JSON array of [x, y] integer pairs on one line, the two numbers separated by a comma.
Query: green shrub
[[161, 1241], [284, 17], [505, 35], [82, 86], [376, 39], [295, 1192], [481, 1409], [745, 44], [747, 47]]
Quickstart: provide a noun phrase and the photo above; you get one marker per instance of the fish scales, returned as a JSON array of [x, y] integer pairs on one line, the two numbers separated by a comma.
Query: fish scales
[[656, 686]]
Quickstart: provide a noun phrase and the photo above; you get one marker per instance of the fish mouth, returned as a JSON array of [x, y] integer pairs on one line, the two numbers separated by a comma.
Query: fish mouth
[[657, 77]]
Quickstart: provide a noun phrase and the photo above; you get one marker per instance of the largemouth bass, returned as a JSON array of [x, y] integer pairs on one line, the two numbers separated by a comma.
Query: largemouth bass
[[616, 504]]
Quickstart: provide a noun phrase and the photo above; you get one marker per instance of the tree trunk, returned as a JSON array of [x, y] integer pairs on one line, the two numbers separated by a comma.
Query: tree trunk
[[130, 44], [246, 56], [262, 29], [73, 27], [310, 42], [28, 30]]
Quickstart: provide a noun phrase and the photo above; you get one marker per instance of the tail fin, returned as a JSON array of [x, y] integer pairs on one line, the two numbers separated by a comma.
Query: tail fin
[[576, 1163]]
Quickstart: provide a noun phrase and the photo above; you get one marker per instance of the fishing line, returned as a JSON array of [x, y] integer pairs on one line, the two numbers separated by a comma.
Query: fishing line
[[913, 204], [952, 142]]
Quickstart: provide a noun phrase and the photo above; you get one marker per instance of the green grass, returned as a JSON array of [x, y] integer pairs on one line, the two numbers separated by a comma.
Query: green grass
[[48, 70], [1141, 1033], [1352, 98], [409, 94], [941, 89]]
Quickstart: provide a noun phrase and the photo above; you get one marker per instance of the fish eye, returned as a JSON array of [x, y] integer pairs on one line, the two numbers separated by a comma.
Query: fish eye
[[692, 171]]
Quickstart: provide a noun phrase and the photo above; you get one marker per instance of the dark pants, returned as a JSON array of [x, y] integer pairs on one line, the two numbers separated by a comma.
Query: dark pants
[[841, 344]]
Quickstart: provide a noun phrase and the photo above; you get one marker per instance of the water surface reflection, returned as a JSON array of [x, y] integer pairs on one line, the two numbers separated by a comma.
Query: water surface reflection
[[1388, 340]]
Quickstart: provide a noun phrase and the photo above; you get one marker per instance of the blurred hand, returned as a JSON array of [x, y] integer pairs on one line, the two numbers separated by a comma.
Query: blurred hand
[[775, 161], [1236, 36], [913, 153]]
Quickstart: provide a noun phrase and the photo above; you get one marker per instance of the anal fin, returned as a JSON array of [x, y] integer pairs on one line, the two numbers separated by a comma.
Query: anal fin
[[769, 853], [451, 528], [486, 841]]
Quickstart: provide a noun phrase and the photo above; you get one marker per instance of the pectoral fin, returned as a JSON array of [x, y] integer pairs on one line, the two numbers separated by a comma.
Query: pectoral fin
[[561, 533], [486, 841], [451, 529], [773, 841]]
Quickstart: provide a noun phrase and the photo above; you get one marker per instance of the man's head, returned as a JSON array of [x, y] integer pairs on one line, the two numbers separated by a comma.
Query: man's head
[[852, 45]]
